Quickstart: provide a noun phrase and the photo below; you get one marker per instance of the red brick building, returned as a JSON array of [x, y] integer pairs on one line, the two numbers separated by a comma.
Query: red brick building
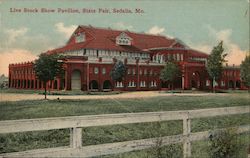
[[91, 52]]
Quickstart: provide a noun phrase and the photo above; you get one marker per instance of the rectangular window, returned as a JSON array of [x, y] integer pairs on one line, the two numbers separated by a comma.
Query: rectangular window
[[178, 57], [142, 84], [119, 84], [207, 83], [145, 72], [104, 71], [222, 83], [129, 71], [215, 83], [134, 72], [131, 84], [96, 70], [153, 84]]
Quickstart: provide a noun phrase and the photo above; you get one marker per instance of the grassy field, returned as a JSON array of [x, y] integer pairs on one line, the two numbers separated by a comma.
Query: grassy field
[[55, 92], [199, 150], [108, 134]]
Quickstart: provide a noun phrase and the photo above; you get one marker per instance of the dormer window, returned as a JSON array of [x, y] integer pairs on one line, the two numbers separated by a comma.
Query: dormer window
[[123, 39], [80, 37]]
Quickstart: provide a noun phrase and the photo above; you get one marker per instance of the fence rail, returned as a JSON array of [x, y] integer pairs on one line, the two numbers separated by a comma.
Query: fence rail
[[75, 123]]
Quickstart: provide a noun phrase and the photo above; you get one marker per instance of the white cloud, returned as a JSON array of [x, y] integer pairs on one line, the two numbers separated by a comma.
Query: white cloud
[[235, 53], [13, 34], [156, 30], [65, 30], [14, 56], [123, 26], [202, 47]]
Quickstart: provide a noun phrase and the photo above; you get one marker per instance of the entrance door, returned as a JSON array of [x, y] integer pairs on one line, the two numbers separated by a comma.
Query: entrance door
[[76, 80]]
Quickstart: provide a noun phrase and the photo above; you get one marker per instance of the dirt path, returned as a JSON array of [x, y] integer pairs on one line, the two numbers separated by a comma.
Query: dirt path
[[17, 97]]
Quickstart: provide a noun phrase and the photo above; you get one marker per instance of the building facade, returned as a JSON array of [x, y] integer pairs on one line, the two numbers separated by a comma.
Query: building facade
[[90, 54]]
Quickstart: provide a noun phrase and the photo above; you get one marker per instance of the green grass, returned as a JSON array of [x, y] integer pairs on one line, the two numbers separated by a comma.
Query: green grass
[[199, 150], [116, 133], [55, 108], [55, 92], [20, 91], [169, 151], [127, 132]]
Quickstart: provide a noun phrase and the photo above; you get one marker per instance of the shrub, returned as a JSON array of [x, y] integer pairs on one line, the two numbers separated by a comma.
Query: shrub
[[225, 144]]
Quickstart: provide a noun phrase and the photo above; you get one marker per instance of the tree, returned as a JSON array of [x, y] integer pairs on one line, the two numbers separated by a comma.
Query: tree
[[215, 63], [245, 71], [170, 72], [47, 67], [118, 71]]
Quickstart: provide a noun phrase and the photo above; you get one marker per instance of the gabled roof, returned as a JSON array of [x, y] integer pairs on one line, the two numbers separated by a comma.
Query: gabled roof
[[105, 39], [102, 38]]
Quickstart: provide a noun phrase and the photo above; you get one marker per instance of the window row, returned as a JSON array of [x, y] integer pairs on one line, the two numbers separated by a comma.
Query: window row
[[25, 71], [230, 73], [222, 83], [133, 84], [141, 72], [130, 71], [107, 53], [96, 70], [167, 57]]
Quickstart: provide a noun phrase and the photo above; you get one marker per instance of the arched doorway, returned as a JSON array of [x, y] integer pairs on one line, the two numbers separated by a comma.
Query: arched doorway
[[237, 84], [107, 85], [62, 84], [40, 84], [76, 80], [32, 84], [24, 83], [19, 84], [193, 84], [195, 81], [28, 86], [55, 84], [35, 86], [93, 85], [231, 84]]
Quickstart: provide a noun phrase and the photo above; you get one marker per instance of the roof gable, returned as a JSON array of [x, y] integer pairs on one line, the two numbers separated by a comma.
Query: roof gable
[[105, 39]]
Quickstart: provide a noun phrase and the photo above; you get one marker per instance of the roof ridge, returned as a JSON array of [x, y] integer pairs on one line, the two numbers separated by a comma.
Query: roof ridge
[[125, 30]]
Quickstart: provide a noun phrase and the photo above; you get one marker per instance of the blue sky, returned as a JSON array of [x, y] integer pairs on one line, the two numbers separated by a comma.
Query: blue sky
[[198, 23]]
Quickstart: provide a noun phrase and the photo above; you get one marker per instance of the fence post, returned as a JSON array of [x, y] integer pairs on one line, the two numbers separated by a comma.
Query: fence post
[[186, 134], [75, 137]]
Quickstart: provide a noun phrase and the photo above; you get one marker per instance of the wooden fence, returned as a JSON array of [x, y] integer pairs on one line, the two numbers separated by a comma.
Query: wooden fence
[[76, 123]]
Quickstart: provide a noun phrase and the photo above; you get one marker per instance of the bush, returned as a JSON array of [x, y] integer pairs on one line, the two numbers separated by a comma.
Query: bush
[[225, 144]]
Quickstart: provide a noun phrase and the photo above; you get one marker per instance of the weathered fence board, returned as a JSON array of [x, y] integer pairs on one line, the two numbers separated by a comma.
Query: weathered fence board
[[115, 148], [75, 123], [11, 126]]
